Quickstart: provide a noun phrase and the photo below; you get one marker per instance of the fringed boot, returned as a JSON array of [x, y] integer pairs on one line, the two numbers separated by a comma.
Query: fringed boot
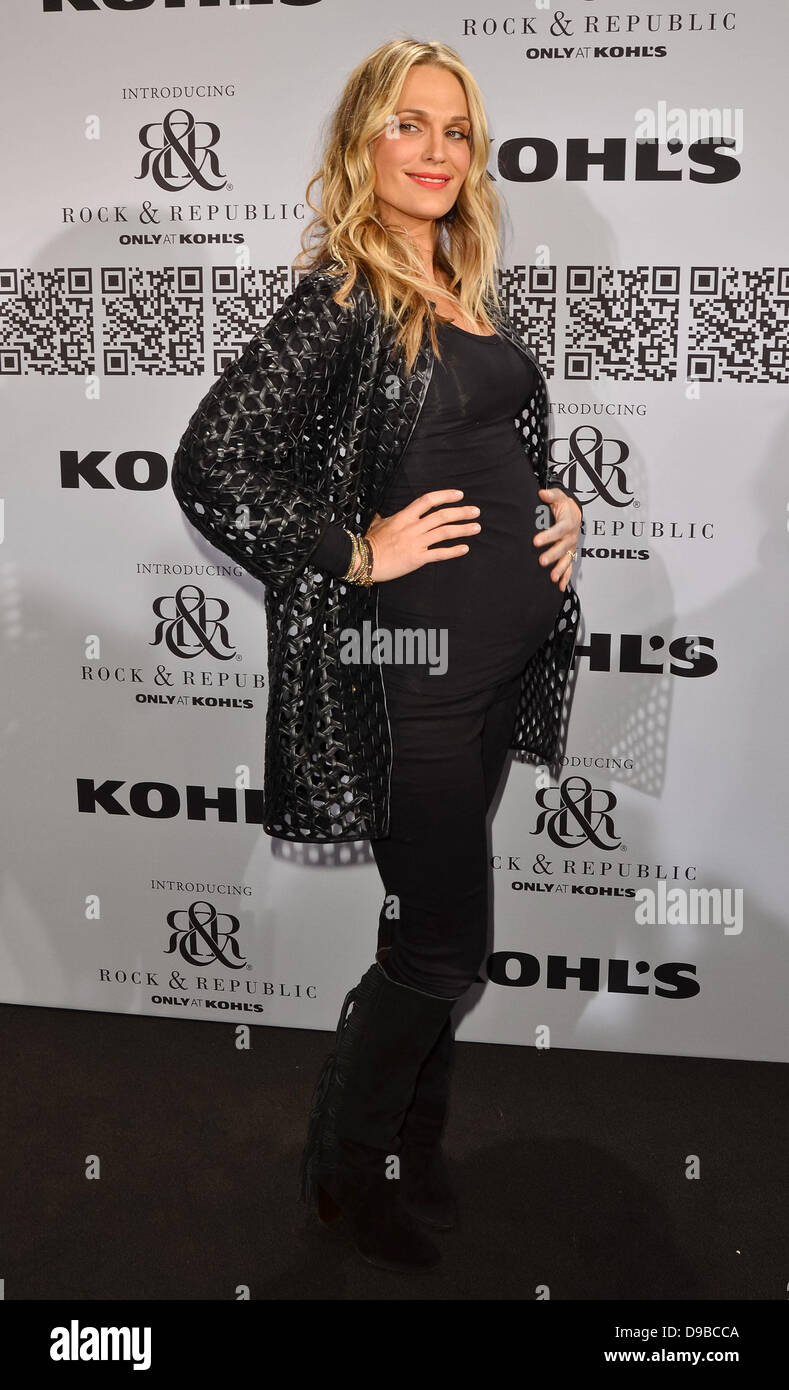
[[350, 1166]]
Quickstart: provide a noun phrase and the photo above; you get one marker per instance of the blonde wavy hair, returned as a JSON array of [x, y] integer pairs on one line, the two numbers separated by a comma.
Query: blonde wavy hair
[[346, 229]]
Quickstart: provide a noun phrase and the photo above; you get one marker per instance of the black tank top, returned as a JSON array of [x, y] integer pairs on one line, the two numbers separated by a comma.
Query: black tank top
[[497, 602]]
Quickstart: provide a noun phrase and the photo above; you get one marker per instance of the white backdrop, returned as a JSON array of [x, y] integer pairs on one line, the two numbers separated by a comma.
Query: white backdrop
[[155, 183]]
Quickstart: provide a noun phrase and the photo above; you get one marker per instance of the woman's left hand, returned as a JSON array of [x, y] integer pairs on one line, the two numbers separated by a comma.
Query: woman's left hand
[[564, 534]]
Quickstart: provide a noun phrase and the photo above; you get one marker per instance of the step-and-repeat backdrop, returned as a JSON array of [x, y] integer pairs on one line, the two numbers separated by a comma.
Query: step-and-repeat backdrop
[[156, 160]]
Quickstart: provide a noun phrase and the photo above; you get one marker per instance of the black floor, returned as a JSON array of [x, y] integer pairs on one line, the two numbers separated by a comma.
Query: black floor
[[571, 1169]]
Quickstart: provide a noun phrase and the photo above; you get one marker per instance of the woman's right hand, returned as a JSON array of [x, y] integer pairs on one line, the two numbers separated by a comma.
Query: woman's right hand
[[400, 542]]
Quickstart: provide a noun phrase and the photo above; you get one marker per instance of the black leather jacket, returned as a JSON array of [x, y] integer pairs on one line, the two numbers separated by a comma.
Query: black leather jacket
[[301, 431]]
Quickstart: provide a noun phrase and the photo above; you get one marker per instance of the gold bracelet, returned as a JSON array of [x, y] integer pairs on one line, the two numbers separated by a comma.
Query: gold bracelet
[[368, 573], [358, 575], [355, 553], [364, 574], [361, 552]]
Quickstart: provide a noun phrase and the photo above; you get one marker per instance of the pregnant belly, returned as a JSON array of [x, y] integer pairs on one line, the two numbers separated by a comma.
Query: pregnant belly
[[499, 580], [496, 603]]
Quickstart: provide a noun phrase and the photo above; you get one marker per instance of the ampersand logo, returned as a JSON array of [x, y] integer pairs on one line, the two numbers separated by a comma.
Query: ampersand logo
[[575, 813], [192, 625], [593, 467], [175, 158], [197, 937]]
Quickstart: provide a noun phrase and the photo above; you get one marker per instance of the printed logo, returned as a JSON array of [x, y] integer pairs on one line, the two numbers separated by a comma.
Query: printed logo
[[575, 813], [593, 467], [192, 625], [177, 157], [197, 937]]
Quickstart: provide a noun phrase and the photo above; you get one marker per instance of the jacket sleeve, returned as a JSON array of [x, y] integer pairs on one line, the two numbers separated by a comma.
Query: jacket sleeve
[[234, 473], [333, 551]]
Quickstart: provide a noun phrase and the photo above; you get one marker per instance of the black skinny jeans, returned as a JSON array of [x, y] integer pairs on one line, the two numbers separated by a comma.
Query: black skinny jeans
[[449, 752]]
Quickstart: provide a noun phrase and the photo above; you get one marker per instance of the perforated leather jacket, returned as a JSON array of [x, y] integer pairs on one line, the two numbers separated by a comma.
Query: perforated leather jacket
[[303, 430]]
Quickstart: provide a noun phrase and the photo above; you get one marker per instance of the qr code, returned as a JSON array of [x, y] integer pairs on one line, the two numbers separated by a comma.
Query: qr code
[[528, 294], [46, 322], [192, 320], [622, 323], [152, 321], [738, 327], [243, 302], [163, 321]]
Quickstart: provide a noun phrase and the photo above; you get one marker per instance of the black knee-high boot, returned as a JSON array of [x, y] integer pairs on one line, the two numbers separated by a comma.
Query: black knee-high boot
[[425, 1187], [351, 1161]]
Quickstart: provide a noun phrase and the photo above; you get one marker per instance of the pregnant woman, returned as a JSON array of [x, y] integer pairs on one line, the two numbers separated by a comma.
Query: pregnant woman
[[491, 602], [385, 440]]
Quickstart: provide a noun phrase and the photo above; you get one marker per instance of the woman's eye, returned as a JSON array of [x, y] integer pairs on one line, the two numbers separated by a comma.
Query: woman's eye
[[410, 125]]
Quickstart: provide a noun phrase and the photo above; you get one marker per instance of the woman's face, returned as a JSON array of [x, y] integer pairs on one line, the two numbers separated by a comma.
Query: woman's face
[[430, 135]]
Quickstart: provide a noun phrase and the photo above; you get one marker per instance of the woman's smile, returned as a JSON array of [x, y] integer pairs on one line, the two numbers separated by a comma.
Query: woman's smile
[[430, 180]]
